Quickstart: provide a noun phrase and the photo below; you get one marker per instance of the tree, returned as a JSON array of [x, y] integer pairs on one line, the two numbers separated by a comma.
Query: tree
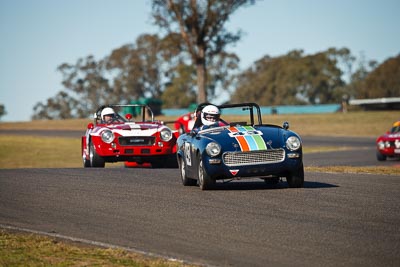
[[291, 79], [180, 91], [383, 81], [128, 73], [2, 110], [86, 80], [85, 88], [62, 106], [141, 70], [358, 75], [201, 25]]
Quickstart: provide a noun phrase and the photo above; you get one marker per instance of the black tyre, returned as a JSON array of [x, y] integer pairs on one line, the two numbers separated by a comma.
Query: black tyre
[[296, 179], [271, 180], [205, 181], [380, 157], [95, 160], [172, 161], [185, 180], [86, 162], [181, 129]]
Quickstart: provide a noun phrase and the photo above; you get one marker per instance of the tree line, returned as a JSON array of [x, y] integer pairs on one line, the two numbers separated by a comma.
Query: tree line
[[189, 62]]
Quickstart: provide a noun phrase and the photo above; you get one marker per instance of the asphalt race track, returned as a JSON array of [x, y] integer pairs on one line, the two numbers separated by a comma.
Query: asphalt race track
[[352, 151], [335, 220]]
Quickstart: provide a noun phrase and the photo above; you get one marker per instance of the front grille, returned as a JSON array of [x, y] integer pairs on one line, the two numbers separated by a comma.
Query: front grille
[[253, 157], [395, 144], [136, 140]]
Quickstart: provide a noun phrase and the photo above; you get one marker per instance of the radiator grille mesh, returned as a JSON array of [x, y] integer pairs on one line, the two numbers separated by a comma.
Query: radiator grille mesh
[[254, 157]]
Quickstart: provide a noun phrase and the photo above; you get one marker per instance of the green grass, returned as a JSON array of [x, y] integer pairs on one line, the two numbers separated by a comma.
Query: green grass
[[23, 249], [38, 152], [357, 123], [381, 170]]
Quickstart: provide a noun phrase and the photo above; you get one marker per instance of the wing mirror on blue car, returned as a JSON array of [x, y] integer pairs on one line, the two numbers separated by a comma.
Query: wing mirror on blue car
[[285, 125]]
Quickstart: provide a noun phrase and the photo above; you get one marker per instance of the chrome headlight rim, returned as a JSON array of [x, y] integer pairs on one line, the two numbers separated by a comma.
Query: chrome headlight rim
[[213, 149], [107, 136], [381, 144], [166, 134], [293, 143], [387, 144]]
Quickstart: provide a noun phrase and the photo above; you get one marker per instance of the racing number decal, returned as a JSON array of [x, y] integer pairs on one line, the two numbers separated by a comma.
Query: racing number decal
[[248, 138], [188, 157]]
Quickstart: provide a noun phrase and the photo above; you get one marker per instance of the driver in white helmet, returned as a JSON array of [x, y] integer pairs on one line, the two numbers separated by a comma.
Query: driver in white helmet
[[107, 115], [209, 117]]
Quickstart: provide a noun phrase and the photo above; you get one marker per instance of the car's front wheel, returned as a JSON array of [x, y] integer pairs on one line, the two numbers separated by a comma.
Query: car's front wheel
[[95, 160], [86, 162], [296, 178], [185, 180], [380, 157], [205, 181]]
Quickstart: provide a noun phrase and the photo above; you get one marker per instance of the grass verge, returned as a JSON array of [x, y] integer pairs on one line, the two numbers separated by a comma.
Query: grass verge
[[356, 123], [37, 152], [380, 170], [23, 249]]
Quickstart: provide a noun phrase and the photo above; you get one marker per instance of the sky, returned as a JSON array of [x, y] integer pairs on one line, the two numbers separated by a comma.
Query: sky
[[36, 36]]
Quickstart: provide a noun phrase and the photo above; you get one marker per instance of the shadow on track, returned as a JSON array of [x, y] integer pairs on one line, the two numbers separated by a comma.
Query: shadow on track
[[255, 185]]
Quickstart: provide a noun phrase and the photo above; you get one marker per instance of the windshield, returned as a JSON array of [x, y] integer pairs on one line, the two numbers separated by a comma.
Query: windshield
[[395, 129], [241, 115], [125, 113]]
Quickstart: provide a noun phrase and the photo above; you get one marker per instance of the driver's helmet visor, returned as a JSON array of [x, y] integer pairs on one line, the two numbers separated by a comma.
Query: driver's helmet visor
[[112, 115], [211, 117]]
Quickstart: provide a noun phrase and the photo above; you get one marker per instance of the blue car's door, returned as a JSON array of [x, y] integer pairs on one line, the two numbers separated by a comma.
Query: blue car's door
[[189, 154]]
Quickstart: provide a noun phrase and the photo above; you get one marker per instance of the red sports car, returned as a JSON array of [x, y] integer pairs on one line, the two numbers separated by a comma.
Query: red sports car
[[114, 137], [185, 123], [388, 145]]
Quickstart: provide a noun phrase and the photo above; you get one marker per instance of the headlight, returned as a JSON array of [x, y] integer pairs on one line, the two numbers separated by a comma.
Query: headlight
[[166, 135], [381, 145], [107, 136], [213, 149], [293, 143]]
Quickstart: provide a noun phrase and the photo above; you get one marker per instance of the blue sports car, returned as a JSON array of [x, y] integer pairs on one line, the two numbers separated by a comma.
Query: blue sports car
[[243, 149]]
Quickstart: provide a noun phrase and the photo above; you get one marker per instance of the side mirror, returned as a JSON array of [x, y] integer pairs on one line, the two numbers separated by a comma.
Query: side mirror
[[90, 126], [193, 132], [285, 125]]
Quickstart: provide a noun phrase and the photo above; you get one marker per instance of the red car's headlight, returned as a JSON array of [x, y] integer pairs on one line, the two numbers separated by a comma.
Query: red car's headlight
[[166, 135], [383, 144], [107, 136]]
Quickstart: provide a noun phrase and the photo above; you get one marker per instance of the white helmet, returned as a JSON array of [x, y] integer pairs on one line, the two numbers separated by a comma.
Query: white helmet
[[209, 115], [107, 111]]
